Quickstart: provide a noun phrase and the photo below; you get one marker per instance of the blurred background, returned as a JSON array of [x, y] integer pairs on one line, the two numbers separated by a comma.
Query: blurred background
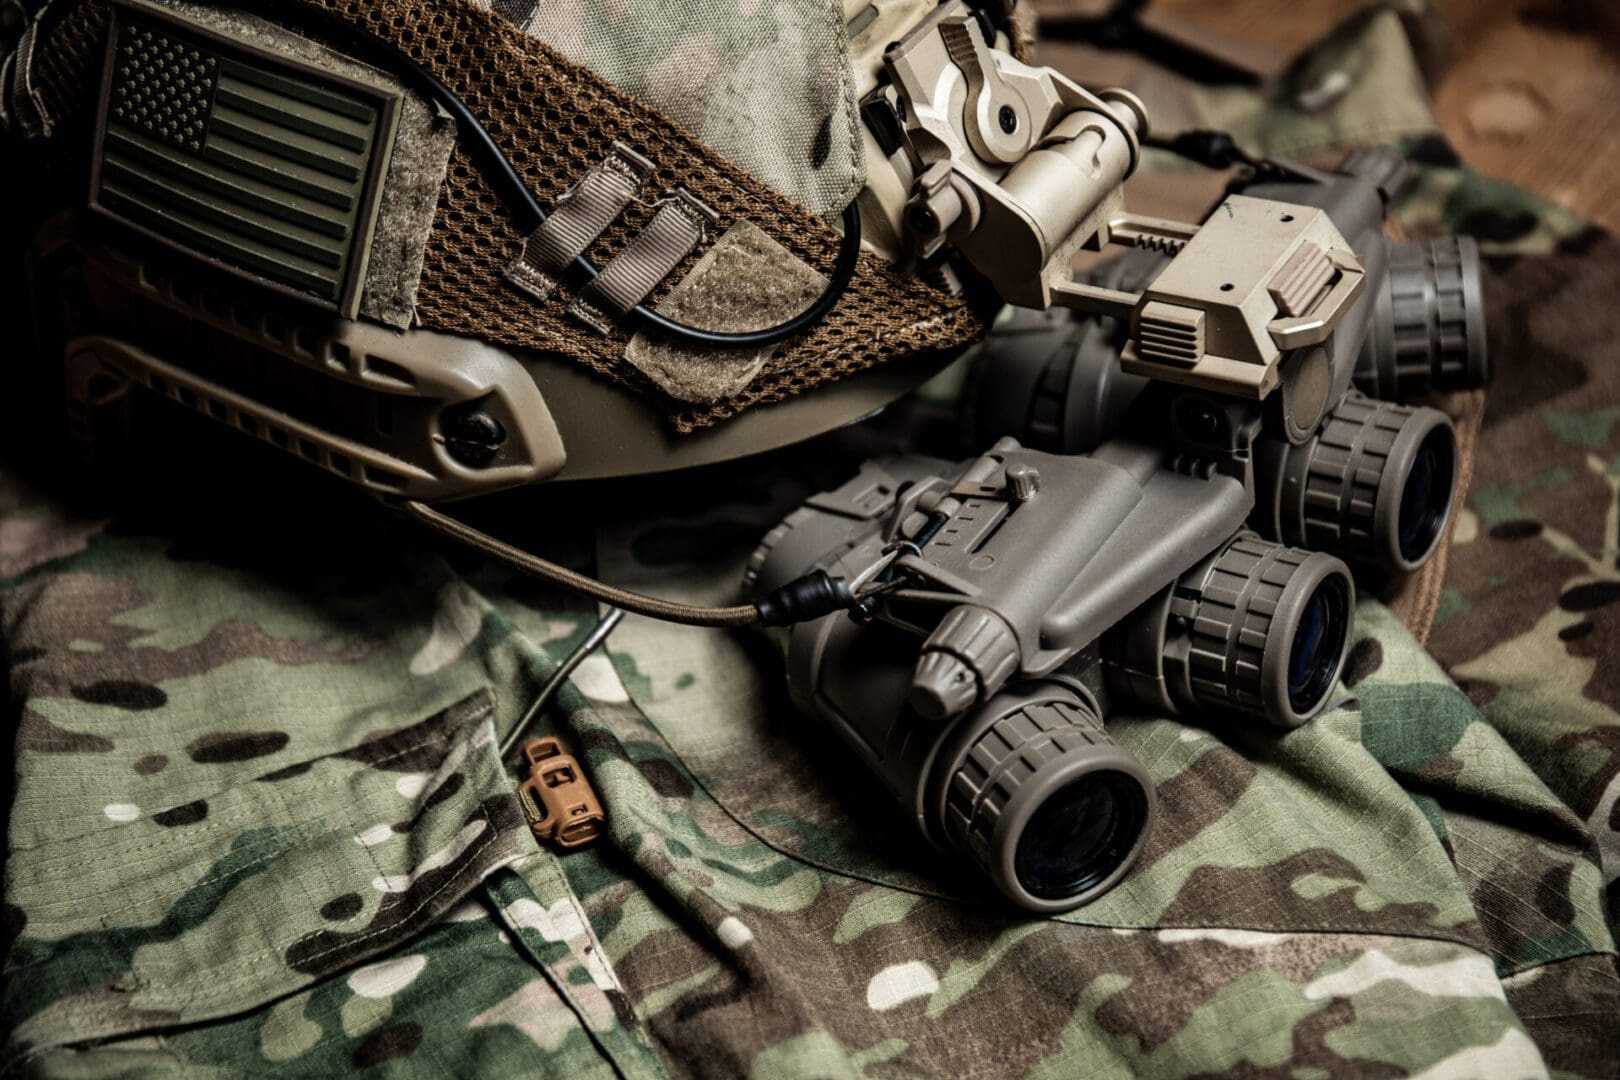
[[1526, 91]]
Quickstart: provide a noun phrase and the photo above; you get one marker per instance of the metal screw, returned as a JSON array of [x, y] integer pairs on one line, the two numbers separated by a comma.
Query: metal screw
[[1023, 480], [1009, 119], [474, 438]]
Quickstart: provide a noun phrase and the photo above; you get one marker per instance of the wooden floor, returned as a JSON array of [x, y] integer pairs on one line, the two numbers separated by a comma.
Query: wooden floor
[[1530, 92]]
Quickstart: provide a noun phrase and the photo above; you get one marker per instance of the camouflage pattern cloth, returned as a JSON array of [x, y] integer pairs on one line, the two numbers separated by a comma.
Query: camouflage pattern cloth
[[260, 825], [720, 69]]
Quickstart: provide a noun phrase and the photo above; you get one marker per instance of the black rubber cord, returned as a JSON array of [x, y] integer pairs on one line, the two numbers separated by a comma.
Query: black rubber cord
[[531, 215], [1211, 149]]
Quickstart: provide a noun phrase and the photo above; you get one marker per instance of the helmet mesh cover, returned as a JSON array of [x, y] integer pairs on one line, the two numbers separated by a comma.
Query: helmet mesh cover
[[554, 120]]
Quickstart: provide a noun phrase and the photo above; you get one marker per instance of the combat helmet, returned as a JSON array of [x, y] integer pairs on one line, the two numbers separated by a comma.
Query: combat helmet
[[441, 247]]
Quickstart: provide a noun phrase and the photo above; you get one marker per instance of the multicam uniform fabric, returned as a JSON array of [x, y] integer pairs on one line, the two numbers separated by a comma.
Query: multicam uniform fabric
[[260, 825]]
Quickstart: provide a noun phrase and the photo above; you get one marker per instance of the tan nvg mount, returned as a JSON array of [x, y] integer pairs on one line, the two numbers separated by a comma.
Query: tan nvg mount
[[1018, 168]]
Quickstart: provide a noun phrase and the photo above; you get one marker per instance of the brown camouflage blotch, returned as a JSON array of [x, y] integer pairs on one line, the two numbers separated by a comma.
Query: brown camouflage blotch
[[128, 694], [446, 789], [217, 747], [1572, 1010], [1521, 895], [1601, 645], [1552, 895], [1575, 507], [340, 908], [1171, 981], [1517, 529], [1589, 596], [1509, 590], [665, 778], [1366, 657], [296, 769], [1605, 739], [56, 611], [186, 814], [388, 1044], [1439, 769], [417, 747], [1479, 692], [756, 1002], [1196, 798], [1311, 1051], [604, 741], [1019, 1007], [37, 734], [1211, 893], [1559, 311]]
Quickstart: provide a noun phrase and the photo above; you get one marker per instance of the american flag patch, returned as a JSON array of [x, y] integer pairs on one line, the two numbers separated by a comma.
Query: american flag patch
[[258, 163]]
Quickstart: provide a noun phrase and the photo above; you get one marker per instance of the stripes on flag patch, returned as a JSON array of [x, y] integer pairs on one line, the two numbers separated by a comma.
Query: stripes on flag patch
[[258, 163]]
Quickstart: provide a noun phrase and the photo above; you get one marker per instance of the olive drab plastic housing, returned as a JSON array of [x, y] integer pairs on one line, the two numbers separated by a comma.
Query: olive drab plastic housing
[[1025, 593], [1141, 544]]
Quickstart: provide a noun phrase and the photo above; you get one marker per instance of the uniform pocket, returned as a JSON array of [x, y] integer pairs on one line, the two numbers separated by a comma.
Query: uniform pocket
[[233, 900]]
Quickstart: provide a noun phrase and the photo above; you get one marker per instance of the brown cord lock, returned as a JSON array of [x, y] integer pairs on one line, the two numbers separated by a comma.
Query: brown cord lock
[[561, 804]]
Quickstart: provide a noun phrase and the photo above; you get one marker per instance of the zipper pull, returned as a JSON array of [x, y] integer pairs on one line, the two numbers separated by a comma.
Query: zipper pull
[[560, 803]]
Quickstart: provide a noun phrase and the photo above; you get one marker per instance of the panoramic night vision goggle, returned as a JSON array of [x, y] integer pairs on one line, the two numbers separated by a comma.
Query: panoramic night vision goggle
[[416, 248]]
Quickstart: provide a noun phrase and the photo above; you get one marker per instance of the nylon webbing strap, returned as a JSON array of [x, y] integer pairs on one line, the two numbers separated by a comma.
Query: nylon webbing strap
[[20, 102], [578, 219], [677, 228]]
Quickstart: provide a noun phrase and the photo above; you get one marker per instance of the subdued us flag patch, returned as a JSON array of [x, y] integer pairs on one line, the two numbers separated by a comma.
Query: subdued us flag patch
[[257, 163]]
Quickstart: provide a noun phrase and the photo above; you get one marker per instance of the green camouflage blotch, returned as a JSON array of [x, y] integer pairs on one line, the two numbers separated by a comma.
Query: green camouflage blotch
[[1452, 602], [1568, 942], [1406, 725], [1431, 813], [62, 968], [1496, 503], [1590, 430]]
